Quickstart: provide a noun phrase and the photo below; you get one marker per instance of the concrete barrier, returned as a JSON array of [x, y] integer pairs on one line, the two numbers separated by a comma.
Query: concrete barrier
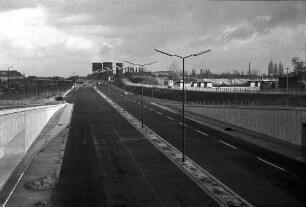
[[20, 127], [287, 125]]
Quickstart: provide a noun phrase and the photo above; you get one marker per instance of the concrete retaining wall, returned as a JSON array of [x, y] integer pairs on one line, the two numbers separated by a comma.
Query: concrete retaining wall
[[283, 124], [20, 127]]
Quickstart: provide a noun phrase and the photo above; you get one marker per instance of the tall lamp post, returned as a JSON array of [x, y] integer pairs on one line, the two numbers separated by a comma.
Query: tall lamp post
[[184, 95], [142, 66], [102, 71], [120, 68], [287, 81], [8, 77], [108, 77]]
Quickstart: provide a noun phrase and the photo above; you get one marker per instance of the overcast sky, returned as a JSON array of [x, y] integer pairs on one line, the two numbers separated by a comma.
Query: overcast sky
[[63, 37]]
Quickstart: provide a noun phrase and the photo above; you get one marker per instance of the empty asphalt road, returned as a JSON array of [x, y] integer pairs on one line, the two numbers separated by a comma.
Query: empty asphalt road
[[238, 167], [107, 162]]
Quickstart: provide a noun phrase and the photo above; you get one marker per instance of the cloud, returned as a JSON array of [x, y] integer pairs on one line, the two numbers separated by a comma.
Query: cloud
[[27, 35], [78, 32]]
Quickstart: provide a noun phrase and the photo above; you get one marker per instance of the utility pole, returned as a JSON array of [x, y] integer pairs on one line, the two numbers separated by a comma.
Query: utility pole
[[305, 52], [8, 77], [287, 81]]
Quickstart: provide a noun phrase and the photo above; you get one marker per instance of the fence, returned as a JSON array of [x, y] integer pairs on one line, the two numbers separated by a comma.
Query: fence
[[29, 98], [233, 89], [224, 98], [284, 123]]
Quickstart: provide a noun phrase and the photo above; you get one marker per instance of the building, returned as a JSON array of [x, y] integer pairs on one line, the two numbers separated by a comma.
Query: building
[[10, 75], [119, 72], [109, 67], [293, 81], [96, 66]]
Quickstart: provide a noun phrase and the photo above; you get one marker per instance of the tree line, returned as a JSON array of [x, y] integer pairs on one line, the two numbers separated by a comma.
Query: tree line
[[275, 69]]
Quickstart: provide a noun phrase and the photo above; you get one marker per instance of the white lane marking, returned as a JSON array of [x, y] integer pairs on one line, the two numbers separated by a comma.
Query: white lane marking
[[159, 112], [227, 144], [222, 194], [269, 163], [201, 132], [169, 117], [180, 122]]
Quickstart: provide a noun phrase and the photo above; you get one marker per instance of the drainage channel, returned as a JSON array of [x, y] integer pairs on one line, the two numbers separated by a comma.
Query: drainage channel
[[222, 194]]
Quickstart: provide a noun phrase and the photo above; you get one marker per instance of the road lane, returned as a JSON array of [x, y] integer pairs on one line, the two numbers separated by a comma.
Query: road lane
[[259, 183], [109, 163]]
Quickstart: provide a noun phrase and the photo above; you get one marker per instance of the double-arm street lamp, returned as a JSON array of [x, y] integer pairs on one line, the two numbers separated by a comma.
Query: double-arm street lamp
[[184, 95], [8, 77], [124, 92], [141, 66], [102, 71], [108, 69]]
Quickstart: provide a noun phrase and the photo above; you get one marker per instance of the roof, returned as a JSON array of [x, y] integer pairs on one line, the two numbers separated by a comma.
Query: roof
[[290, 75], [11, 73]]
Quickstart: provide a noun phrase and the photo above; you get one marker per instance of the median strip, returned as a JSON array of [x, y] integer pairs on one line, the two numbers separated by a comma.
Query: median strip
[[222, 194]]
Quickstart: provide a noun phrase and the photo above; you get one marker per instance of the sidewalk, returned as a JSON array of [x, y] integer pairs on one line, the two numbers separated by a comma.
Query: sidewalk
[[13, 167]]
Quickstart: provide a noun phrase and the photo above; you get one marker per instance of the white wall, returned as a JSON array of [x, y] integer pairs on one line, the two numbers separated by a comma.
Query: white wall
[[20, 127], [282, 124]]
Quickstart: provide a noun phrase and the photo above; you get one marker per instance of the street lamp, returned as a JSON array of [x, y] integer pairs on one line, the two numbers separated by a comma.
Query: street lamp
[[8, 77], [184, 95], [124, 92], [287, 80], [142, 66], [107, 69], [102, 71]]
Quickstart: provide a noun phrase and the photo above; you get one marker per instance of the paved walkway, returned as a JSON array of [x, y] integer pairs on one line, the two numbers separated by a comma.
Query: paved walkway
[[15, 168]]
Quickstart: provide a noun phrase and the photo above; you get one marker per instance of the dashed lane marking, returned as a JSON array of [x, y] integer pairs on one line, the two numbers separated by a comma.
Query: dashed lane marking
[[229, 145], [269, 163], [169, 117], [201, 132], [222, 194]]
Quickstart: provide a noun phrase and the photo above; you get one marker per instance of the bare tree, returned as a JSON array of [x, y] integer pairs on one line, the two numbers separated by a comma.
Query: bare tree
[[299, 70], [174, 67], [270, 68], [280, 68]]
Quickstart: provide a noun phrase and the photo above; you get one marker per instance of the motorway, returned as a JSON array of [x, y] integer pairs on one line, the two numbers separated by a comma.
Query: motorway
[[254, 178], [108, 162]]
